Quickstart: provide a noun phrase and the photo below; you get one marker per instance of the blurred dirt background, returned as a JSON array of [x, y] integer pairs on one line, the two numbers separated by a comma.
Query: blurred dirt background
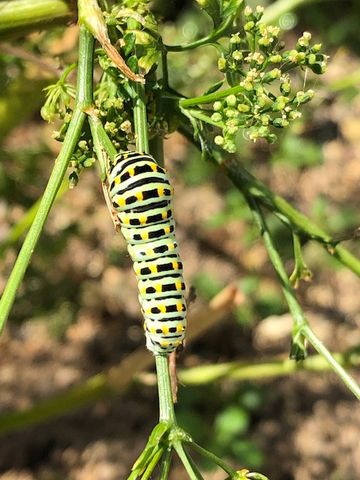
[[77, 312]]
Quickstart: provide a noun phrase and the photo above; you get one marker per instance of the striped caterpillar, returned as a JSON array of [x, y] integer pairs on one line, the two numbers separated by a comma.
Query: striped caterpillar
[[141, 196]]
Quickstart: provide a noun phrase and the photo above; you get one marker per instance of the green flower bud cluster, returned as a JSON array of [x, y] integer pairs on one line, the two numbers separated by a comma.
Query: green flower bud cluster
[[58, 101], [256, 67], [82, 158]]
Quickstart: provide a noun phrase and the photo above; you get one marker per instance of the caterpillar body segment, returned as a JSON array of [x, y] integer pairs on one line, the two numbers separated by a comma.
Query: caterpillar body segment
[[141, 196]]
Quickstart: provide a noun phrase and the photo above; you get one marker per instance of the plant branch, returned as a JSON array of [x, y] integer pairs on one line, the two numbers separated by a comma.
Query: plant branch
[[301, 324], [268, 368], [140, 119], [212, 37], [300, 223], [193, 474], [210, 97], [166, 406], [212, 457], [22, 16], [83, 99]]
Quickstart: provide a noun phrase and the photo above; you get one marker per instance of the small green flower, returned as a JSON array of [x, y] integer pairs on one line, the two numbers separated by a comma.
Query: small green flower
[[219, 140], [231, 100], [249, 26]]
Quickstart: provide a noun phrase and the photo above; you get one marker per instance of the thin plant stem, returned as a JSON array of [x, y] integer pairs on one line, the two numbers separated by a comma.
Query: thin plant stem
[[193, 475], [103, 146], [21, 16], [213, 458], [290, 216], [268, 368], [83, 100], [200, 115], [166, 405], [210, 97], [101, 386], [152, 464], [298, 222], [166, 464], [334, 364], [140, 119], [218, 33], [294, 307]]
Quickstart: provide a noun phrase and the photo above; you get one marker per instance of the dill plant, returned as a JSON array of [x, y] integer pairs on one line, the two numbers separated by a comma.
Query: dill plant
[[133, 104]]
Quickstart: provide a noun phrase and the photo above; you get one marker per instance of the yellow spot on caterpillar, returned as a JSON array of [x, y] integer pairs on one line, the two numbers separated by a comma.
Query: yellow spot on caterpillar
[[165, 330], [117, 179], [131, 172], [149, 252], [142, 290], [179, 307], [164, 344], [180, 328], [137, 270], [162, 308], [178, 285], [171, 246], [139, 195], [121, 201], [164, 215], [158, 287], [153, 167], [167, 230], [125, 220], [142, 220], [145, 235], [160, 192], [153, 268], [148, 311], [152, 330], [175, 265]]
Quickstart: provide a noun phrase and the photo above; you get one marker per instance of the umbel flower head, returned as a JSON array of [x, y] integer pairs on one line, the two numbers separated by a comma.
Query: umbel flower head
[[257, 68]]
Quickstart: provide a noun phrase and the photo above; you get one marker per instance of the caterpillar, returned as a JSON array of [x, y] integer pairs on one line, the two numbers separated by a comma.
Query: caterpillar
[[141, 198]]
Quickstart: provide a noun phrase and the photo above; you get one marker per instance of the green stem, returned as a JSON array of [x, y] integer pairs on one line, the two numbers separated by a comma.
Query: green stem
[[296, 311], [200, 115], [100, 386], [213, 458], [140, 119], [269, 368], [152, 464], [211, 97], [166, 464], [193, 475], [334, 364], [301, 271], [103, 146], [83, 100], [249, 185], [215, 35], [301, 323], [166, 405], [21, 16]]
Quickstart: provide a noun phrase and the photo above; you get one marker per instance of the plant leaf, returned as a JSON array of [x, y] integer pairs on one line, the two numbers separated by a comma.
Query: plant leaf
[[215, 87], [213, 8]]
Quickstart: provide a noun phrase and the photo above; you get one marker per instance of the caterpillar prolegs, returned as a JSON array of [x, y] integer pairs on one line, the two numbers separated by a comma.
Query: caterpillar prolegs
[[141, 195]]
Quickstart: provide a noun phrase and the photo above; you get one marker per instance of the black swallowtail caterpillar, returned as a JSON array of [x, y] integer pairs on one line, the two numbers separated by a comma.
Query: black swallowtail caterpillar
[[141, 195]]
